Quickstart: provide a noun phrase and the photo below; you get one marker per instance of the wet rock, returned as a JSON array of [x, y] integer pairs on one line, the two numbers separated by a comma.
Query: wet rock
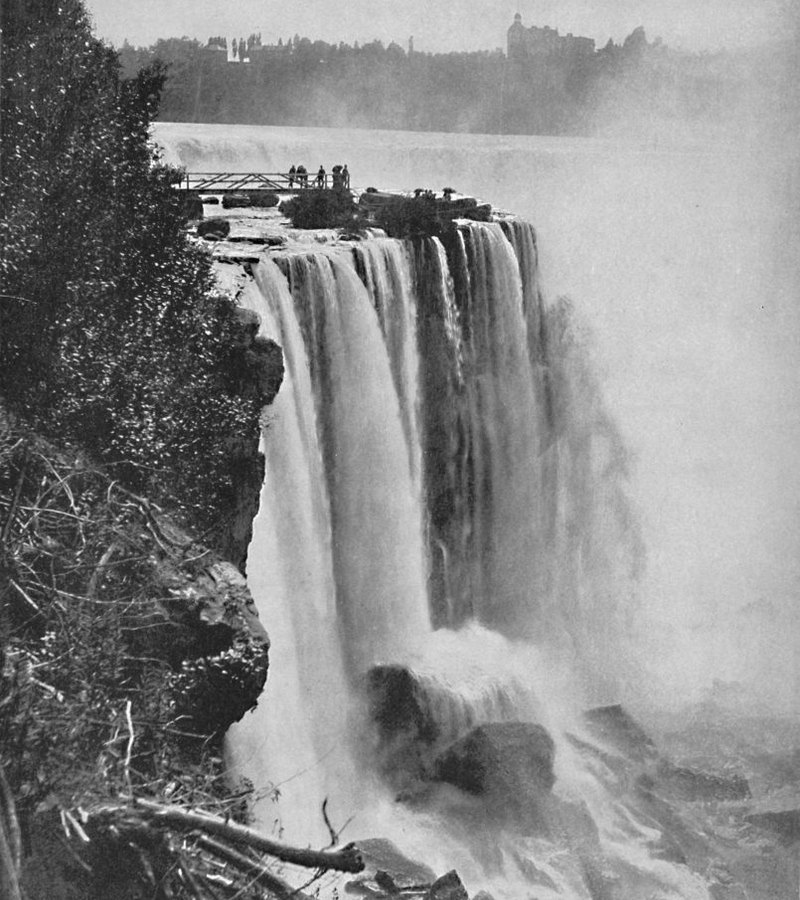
[[691, 785], [728, 892], [258, 363], [214, 229], [386, 883], [388, 871], [256, 372], [397, 705], [234, 201], [210, 620], [616, 727], [405, 728], [448, 887], [780, 818], [678, 839], [509, 763]]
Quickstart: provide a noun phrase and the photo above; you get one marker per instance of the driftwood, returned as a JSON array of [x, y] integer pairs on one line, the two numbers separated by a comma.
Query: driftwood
[[255, 871], [346, 859], [185, 852], [10, 844]]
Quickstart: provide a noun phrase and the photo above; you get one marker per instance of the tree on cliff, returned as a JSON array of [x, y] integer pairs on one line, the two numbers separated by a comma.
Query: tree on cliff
[[111, 332], [116, 679]]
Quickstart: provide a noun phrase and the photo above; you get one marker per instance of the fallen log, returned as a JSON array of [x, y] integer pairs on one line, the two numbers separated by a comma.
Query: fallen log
[[255, 872], [10, 844], [345, 859]]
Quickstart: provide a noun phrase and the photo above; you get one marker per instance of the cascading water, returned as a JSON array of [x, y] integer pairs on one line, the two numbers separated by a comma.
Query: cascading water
[[443, 510]]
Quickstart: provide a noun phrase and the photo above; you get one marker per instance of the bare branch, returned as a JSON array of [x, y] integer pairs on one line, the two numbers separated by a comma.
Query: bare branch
[[9, 814], [257, 871], [129, 751], [347, 859]]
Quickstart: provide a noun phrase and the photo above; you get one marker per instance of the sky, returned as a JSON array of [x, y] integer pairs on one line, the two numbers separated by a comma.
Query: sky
[[444, 25]]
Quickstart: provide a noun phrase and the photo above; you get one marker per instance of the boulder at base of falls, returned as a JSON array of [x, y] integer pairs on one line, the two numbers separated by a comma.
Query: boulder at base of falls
[[448, 887], [406, 729], [396, 704], [508, 763], [614, 727], [388, 871], [780, 815], [691, 785], [617, 728]]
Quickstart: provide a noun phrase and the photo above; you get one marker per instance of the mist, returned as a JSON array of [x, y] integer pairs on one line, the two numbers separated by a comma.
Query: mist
[[681, 264]]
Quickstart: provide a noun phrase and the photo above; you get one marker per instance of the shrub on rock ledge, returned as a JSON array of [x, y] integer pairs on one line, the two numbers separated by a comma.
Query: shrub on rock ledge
[[322, 209]]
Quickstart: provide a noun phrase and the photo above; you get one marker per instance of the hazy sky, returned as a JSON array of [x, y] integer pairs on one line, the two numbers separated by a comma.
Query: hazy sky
[[442, 25]]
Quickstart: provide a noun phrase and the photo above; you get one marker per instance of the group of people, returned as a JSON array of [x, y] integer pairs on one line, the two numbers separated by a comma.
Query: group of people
[[340, 177]]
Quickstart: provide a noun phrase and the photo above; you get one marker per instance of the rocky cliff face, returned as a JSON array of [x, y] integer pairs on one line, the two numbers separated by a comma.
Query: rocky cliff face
[[128, 645], [257, 372]]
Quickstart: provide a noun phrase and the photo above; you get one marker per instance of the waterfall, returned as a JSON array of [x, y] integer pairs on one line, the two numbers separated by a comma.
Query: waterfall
[[443, 513]]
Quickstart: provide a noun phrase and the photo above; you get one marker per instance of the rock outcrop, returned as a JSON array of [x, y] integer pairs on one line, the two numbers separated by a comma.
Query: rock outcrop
[[128, 645], [406, 730], [214, 229], [388, 871], [508, 764], [256, 370]]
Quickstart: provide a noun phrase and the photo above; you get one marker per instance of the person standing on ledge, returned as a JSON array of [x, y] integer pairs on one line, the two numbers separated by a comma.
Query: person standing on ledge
[[321, 177], [345, 178]]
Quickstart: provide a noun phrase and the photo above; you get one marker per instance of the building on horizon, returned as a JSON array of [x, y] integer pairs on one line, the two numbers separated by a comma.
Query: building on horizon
[[524, 43]]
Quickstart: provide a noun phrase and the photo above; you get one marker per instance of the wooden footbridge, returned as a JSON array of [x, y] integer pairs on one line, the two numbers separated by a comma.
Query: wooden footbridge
[[231, 182]]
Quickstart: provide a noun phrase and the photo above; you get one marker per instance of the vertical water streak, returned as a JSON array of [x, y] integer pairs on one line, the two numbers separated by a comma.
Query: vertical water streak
[[385, 267], [294, 740], [378, 550], [443, 422], [507, 424], [489, 453]]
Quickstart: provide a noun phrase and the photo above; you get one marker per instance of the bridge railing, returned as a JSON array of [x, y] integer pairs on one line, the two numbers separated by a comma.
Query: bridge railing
[[227, 182]]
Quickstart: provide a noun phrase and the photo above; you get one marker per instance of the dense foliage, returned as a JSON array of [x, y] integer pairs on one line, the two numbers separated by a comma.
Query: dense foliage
[[114, 678], [112, 333], [304, 82], [322, 209]]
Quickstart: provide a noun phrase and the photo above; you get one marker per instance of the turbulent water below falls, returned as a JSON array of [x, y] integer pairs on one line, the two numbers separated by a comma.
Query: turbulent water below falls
[[445, 496]]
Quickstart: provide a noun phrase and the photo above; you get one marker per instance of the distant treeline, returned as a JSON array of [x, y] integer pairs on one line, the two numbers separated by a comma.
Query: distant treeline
[[301, 82]]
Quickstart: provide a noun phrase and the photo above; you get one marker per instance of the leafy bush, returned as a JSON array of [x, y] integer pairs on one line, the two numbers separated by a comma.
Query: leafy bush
[[322, 209], [409, 217], [264, 199], [234, 201], [112, 335]]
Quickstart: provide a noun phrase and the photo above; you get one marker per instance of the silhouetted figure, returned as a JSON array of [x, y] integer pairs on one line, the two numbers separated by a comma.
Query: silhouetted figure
[[336, 178], [321, 178], [302, 176], [345, 178], [292, 173]]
